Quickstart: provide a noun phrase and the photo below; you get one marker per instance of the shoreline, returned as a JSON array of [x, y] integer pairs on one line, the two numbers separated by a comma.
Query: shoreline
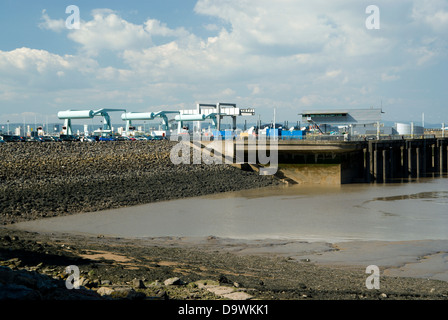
[[38, 182], [137, 269], [55, 179]]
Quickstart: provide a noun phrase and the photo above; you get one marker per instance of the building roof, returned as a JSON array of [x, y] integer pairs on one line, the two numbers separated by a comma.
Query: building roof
[[324, 112], [344, 116]]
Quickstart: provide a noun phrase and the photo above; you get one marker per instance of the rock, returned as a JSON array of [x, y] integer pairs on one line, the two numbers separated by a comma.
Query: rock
[[237, 296], [136, 295], [383, 296], [173, 282], [121, 293], [138, 284], [155, 284], [220, 290], [105, 291], [162, 294], [18, 292], [223, 279], [106, 282]]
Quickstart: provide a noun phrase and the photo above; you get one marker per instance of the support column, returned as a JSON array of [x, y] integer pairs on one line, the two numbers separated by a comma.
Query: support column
[[375, 165], [366, 165], [424, 164], [384, 154], [433, 158], [441, 158], [403, 162], [417, 158], [392, 162], [409, 161], [371, 163]]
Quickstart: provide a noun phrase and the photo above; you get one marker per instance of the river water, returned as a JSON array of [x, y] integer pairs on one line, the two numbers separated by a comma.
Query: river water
[[385, 212]]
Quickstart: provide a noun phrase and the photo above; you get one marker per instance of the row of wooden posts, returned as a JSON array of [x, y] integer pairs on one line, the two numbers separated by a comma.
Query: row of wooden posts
[[388, 160]]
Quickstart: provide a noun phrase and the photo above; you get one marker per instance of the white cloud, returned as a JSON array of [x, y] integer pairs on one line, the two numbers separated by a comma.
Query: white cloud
[[27, 70], [290, 53], [156, 28], [433, 13], [109, 32], [50, 24]]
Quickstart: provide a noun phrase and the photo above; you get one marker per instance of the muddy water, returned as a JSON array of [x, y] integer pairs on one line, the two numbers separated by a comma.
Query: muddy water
[[383, 212]]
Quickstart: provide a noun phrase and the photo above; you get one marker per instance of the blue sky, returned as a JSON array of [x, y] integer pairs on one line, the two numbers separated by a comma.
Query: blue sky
[[167, 55]]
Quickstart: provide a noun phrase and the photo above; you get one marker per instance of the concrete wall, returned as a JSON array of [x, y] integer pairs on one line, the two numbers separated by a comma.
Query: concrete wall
[[323, 174]]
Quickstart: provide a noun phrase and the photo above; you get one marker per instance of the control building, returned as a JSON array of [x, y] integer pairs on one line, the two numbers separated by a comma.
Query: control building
[[329, 120]]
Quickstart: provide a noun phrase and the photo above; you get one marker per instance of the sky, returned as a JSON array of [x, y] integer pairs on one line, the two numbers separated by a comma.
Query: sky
[[290, 55]]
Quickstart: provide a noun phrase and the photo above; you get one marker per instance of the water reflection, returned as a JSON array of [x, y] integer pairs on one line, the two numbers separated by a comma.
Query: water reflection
[[420, 195]]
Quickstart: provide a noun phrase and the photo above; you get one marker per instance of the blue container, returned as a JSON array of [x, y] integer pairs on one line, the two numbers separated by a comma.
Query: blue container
[[277, 133], [295, 134]]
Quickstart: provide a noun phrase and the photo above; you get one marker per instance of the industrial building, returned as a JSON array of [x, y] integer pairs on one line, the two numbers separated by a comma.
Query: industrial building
[[344, 117], [334, 120]]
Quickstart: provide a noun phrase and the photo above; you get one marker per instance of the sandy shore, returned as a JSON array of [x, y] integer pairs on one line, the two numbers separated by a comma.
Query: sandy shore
[[53, 180]]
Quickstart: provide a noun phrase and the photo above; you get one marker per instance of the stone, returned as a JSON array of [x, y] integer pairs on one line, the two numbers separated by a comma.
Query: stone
[[220, 290], [223, 279], [18, 292], [136, 295], [138, 284], [172, 281], [105, 291], [106, 282], [237, 296], [162, 294]]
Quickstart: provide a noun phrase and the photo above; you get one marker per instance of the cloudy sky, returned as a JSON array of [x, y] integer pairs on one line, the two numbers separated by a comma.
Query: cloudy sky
[[167, 55]]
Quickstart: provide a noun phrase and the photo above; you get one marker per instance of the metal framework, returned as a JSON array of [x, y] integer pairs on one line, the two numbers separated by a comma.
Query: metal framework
[[69, 115], [130, 116]]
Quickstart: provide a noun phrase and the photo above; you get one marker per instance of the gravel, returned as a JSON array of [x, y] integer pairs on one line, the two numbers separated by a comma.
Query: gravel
[[39, 180]]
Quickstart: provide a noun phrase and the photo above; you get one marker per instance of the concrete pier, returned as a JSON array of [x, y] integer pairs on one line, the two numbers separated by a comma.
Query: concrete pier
[[373, 161]]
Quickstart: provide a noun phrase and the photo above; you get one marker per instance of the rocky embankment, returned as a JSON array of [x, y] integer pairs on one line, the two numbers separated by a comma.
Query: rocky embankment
[[40, 180]]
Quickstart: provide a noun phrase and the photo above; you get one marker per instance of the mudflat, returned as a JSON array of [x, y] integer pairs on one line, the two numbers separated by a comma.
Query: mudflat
[[45, 180]]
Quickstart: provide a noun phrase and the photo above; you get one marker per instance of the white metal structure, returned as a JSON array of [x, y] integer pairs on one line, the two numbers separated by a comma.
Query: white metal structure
[[130, 116], [216, 112], [69, 115]]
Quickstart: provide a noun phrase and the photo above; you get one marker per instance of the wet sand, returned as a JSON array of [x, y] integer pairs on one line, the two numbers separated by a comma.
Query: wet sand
[[266, 270]]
